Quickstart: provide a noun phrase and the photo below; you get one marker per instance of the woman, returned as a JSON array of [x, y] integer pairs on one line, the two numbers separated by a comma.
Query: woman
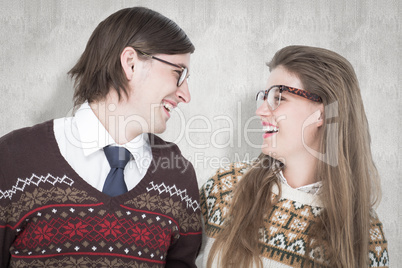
[[308, 199]]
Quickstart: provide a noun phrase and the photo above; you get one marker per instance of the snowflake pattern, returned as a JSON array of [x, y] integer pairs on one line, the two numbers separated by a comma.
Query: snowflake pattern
[[35, 180], [174, 191]]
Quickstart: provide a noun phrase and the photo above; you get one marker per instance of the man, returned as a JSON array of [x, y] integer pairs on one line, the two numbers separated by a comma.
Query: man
[[99, 188]]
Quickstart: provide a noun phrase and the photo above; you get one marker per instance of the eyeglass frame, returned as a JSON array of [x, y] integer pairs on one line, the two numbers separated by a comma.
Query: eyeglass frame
[[183, 69], [297, 91]]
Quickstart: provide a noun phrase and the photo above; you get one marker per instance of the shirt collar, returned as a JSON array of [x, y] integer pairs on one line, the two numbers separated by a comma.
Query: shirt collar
[[94, 136], [312, 188]]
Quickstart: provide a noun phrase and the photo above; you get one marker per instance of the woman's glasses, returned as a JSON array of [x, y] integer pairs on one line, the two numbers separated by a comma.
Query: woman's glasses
[[183, 72], [273, 95]]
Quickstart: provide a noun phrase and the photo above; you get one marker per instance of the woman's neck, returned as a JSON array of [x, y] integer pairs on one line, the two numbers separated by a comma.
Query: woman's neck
[[300, 171]]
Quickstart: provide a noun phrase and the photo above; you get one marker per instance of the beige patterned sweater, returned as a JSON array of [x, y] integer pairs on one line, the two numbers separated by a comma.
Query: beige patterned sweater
[[285, 233]]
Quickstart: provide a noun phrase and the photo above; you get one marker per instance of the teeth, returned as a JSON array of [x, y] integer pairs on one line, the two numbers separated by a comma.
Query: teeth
[[270, 129], [168, 106]]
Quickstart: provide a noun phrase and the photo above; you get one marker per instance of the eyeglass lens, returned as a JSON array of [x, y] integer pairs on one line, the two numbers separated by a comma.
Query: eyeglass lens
[[260, 98], [273, 98], [182, 77]]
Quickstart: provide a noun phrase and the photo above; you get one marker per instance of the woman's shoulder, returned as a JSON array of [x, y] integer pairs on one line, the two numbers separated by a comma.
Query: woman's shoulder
[[216, 193], [225, 178], [378, 245]]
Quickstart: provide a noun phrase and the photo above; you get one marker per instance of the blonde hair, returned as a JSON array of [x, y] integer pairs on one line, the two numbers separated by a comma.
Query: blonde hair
[[349, 177]]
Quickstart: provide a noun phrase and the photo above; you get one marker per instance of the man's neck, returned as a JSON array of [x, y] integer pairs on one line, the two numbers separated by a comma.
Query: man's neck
[[112, 114]]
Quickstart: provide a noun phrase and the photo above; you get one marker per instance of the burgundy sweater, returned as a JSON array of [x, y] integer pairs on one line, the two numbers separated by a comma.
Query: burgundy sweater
[[50, 217]]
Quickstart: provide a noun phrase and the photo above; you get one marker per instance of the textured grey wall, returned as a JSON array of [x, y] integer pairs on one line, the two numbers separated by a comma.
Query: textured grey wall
[[41, 40]]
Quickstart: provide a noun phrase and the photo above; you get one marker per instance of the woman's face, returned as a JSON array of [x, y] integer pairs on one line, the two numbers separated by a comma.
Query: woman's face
[[294, 125]]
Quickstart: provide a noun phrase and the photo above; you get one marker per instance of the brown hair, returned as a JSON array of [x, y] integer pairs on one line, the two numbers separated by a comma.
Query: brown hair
[[99, 69], [350, 179]]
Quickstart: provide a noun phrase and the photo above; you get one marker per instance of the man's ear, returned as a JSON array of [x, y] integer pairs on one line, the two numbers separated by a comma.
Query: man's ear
[[128, 58]]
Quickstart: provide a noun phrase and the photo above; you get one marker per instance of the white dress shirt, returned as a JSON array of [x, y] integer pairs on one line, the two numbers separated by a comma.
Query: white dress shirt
[[312, 188], [81, 139]]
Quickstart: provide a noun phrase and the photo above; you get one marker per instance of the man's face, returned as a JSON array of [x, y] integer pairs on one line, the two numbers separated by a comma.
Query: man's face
[[154, 92]]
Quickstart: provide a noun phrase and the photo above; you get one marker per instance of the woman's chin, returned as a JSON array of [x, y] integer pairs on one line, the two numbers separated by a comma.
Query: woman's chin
[[273, 153]]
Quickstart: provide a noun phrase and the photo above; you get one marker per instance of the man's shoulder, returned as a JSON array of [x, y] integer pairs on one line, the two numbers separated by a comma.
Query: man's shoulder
[[155, 140], [27, 135], [21, 150], [160, 145], [168, 157]]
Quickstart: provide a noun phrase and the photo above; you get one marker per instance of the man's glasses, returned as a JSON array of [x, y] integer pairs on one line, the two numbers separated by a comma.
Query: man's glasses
[[273, 95], [183, 72]]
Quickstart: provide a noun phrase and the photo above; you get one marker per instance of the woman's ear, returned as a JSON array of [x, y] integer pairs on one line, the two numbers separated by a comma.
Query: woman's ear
[[128, 59], [321, 116]]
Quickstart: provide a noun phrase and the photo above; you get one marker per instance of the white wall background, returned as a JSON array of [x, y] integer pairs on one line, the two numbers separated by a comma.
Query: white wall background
[[41, 40]]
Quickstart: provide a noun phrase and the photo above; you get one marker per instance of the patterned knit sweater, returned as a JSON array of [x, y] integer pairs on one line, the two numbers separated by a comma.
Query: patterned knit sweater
[[284, 239], [50, 217]]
